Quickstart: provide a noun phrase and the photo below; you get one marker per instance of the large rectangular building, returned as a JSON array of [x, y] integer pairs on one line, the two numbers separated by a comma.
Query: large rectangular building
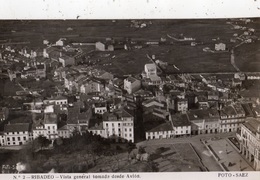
[[250, 142]]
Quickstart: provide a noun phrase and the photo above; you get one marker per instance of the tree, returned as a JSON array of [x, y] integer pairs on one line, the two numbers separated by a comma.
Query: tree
[[41, 142]]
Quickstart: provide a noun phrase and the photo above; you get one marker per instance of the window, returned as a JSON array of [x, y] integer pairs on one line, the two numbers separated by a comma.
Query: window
[[49, 127], [125, 130], [19, 139], [13, 138], [112, 124], [107, 124], [8, 139], [118, 124], [13, 143], [130, 135], [125, 135], [130, 129]]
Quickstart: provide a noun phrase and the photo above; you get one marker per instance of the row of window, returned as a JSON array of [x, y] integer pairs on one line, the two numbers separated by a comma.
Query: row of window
[[61, 102], [166, 132], [21, 132], [14, 139]]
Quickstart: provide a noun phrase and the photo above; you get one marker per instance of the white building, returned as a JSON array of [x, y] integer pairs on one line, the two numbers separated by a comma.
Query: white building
[[250, 142], [16, 134], [150, 70], [204, 121], [59, 100], [163, 131], [220, 47], [231, 117], [132, 84], [181, 125], [47, 128], [181, 105], [118, 125]]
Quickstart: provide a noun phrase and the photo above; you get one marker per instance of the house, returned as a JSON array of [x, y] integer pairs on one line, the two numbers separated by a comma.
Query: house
[[41, 70], [181, 125], [4, 113], [97, 129], [253, 76], [104, 46], [150, 70], [101, 74], [181, 105], [78, 117], [132, 84], [66, 60], [60, 42], [89, 85], [100, 108], [119, 125], [202, 101], [204, 121], [17, 134], [231, 117], [50, 124], [163, 131], [220, 47], [58, 100], [64, 132]]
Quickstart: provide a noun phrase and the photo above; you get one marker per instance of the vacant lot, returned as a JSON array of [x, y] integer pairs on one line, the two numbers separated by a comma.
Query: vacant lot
[[175, 158]]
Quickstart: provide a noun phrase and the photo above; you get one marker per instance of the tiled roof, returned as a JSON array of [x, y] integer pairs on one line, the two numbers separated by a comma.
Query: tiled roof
[[18, 127], [207, 114], [65, 127], [50, 118], [180, 120], [163, 127], [252, 125]]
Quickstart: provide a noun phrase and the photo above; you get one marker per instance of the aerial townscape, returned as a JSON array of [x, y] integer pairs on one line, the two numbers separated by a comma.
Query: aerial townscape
[[129, 95]]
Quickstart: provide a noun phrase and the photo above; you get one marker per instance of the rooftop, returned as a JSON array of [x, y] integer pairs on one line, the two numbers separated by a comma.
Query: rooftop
[[50, 118], [180, 120], [131, 79], [162, 127], [252, 125], [207, 115], [18, 127]]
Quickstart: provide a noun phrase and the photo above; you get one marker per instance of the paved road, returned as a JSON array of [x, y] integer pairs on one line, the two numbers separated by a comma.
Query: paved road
[[207, 159]]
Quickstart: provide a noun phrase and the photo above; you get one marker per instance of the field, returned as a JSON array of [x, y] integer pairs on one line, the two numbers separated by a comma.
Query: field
[[247, 57], [182, 55]]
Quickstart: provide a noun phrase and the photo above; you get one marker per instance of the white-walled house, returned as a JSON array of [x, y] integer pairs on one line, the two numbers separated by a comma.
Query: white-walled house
[[118, 125], [231, 117], [132, 84], [162, 131], [16, 134]]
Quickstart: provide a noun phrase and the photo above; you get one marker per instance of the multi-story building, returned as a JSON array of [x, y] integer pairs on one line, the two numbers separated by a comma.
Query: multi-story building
[[181, 105], [47, 127], [162, 131], [203, 121], [64, 132], [16, 134], [132, 84], [250, 142], [181, 125], [231, 117], [118, 125]]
